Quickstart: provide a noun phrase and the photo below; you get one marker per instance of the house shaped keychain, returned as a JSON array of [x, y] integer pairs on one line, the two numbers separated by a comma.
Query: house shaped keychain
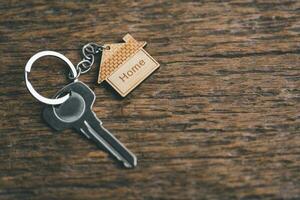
[[125, 65]]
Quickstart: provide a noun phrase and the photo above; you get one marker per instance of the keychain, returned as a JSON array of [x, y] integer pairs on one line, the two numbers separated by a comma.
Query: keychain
[[123, 65]]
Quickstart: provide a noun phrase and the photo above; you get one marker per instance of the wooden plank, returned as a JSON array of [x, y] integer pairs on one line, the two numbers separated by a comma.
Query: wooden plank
[[218, 120]]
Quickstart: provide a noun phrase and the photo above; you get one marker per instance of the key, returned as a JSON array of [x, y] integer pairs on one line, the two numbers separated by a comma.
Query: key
[[77, 113]]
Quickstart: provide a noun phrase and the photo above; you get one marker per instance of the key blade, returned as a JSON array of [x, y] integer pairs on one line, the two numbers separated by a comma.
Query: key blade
[[111, 144], [96, 132]]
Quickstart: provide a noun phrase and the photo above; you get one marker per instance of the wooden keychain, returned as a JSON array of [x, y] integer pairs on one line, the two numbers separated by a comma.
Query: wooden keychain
[[123, 65]]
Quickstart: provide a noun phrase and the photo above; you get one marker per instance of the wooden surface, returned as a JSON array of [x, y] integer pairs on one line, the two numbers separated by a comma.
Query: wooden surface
[[219, 120]]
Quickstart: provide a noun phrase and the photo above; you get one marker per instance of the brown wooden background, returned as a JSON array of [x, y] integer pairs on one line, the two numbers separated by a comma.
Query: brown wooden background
[[219, 120]]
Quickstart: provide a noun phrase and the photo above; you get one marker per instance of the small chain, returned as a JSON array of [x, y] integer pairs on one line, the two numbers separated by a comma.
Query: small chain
[[88, 51]]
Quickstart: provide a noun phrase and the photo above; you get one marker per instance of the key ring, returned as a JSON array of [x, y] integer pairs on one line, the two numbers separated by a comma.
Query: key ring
[[33, 92]]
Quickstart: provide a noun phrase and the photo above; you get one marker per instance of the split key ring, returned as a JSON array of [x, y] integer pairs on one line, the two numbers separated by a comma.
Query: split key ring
[[32, 91]]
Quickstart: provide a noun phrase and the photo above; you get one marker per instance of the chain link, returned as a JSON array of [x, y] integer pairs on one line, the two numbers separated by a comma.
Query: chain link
[[88, 51]]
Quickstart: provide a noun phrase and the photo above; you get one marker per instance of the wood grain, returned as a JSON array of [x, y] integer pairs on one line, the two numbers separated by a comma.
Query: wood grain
[[219, 119]]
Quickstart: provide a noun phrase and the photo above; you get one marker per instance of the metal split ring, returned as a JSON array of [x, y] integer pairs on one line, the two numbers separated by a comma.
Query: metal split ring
[[33, 92]]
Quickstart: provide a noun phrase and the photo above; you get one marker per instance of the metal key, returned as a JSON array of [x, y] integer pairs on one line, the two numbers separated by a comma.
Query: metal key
[[77, 113]]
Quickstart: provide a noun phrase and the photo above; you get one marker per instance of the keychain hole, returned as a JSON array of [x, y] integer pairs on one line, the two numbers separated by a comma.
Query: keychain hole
[[64, 93], [61, 95]]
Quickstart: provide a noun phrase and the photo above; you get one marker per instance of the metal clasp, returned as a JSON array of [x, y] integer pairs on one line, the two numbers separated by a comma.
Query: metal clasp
[[29, 86]]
